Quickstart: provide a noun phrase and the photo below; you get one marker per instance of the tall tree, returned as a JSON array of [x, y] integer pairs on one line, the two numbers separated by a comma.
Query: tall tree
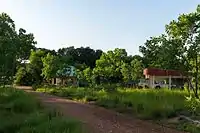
[[88, 75], [8, 47], [126, 72], [13, 47], [35, 65], [81, 55], [51, 64], [160, 52], [133, 70], [186, 30], [137, 69], [109, 65], [25, 44]]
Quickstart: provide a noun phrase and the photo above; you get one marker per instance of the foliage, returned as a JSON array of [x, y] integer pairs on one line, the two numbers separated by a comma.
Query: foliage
[[35, 65], [151, 104], [188, 127], [109, 64], [137, 69], [81, 55], [88, 75], [23, 77], [160, 52], [194, 104], [26, 44], [145, 104], [180, 45], [17, 116], [132, 71], [42, 65], [186, 29], [50, 66], [13, 46], [126, 71]]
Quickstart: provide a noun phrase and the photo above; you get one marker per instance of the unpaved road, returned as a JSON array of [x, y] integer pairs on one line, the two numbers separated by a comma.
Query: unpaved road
[[98, 119]]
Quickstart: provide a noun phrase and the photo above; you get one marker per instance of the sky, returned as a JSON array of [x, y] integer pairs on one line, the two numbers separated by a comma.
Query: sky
[[99, 24]]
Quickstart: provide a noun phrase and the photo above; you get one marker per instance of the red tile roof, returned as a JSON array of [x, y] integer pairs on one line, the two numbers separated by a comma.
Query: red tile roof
[[162, 72]]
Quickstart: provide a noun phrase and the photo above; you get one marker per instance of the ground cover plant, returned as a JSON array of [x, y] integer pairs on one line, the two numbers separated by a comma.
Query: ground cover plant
[[148, 104], [144, 103], [21, 113]]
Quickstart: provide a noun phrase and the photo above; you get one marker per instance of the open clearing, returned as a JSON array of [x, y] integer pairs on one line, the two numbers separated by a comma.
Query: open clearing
[[98, 119]]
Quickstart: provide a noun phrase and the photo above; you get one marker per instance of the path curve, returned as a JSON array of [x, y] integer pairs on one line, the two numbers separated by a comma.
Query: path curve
[[98, 119]]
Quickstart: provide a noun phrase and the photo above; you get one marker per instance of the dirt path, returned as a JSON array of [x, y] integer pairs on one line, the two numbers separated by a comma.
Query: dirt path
[[100, 120]]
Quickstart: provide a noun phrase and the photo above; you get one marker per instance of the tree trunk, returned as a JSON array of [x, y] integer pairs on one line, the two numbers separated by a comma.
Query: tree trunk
[[13, 69], [196, 80]]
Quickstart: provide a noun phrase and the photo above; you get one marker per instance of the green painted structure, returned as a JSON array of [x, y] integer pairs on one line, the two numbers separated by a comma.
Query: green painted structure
[[69, 71], [65, 76]]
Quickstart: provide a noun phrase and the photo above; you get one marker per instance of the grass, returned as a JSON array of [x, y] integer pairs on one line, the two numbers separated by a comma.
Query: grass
[[21, 113], [145, 104]]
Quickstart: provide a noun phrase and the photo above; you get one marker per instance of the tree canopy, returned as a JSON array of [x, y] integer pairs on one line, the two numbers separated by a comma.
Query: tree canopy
[[14, 46]]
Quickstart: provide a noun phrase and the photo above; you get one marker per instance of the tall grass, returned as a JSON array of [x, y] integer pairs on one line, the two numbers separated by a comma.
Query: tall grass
[[147, 104], [143, 103], [21, 113]]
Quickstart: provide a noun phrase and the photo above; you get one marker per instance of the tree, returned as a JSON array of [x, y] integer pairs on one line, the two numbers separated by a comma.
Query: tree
[[186, 30], [132, 71], [109, 65], [26, 44], [126, 72], [8, 48], [23, 77], [35, 65], [46, 51], [137, 69], [88, 75], [160, 52], [50, 66], [14, 47], [81, 55], [179, 48]]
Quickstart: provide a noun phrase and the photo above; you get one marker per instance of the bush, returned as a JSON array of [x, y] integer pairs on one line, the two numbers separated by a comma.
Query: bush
[[193, 104], [23, 77]]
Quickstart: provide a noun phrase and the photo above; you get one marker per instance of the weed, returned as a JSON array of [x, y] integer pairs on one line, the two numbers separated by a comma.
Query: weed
[[21, 113], [143, 103]]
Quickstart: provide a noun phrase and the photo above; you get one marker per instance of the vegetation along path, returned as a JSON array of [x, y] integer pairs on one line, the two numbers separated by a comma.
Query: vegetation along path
[[98, 119]]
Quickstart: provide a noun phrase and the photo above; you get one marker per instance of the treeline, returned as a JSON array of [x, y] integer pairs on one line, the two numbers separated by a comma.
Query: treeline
[[43, 64], [177, 48], [93, 66]]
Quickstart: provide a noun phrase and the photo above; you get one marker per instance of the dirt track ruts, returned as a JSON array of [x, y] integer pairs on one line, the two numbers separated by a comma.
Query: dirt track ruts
[[98, 119]]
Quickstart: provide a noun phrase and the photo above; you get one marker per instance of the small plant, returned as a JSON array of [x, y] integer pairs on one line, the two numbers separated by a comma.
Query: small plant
[[193, 104]]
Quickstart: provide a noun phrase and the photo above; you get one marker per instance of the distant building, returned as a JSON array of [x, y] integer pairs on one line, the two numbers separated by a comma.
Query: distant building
[[65, 76], [160, 78]]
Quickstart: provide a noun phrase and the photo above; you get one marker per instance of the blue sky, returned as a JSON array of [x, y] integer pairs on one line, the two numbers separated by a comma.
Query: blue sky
[[100, 24]]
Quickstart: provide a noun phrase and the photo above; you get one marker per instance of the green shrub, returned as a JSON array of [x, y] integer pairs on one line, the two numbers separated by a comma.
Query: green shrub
[[188, 128], [193, 104], [17, 101]]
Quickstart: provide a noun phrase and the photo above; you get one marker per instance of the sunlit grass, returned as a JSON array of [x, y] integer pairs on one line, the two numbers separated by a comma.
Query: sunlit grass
[[143, 103], [22, 113], [147, 103]]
